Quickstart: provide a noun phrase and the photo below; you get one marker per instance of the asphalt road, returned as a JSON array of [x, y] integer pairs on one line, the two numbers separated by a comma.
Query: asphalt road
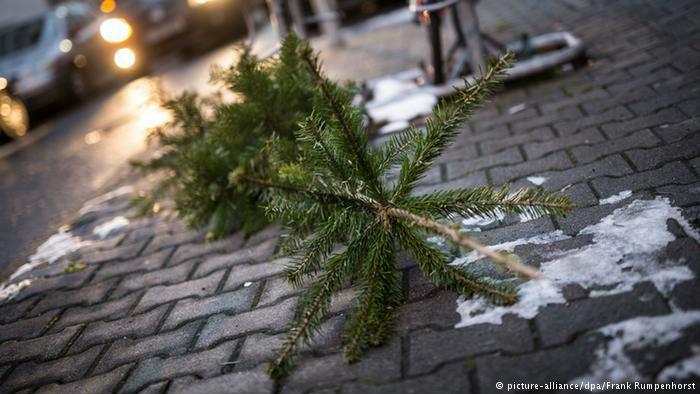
[[82, 151]]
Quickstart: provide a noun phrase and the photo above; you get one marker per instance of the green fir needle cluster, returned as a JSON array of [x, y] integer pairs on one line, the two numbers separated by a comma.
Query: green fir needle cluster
[[208, 138], [336, 193]]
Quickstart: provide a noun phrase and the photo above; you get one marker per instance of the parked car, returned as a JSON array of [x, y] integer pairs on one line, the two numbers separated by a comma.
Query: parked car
[[14, 119], [164, 25], [65, 52]]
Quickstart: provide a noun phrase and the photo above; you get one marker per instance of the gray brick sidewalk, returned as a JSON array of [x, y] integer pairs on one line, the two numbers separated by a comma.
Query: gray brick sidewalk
[[154, 308]]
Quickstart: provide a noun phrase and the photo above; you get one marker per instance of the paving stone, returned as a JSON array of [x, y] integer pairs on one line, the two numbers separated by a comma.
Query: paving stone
[[165, 276], [686, 250], [429, 348], [379, 365], [191, 251], [278, 288], [106, 310], [536, 150], [436, 311], [231, 302], [540, 135], [559, 323], [472, 180], [105, 331], [163, 241], [650, 158], [43, 348], [65, 369], [156, 388], [581, 195], [686, 295], [11, 311], [97, 384], [612, 115], [419, 286], [449, 379], [677, 349], [272, 231], [26, 328], [202, 287], [43, 285], [86, 295], [695, 163], [639, 139], [206, 364], [258, 253], [164, 344], [145, 263], [554, 161], [461, 168], [259, 347], [521, 230], [546, 119], [609, 166], [690, 107], [682, 195], [253, 382], [462, 153], [125, 252], [672, 173], [555, 365], [243, 273], [620, 129], [273, 318], [678, 131]]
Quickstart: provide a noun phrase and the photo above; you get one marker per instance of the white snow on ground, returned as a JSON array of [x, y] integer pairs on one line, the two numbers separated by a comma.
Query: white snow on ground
[[404, 108], [111, 227], [683, 369], [623, 253], [616, 197], [386, 89], [393, 127], [612, 364], [482, 220], [517, 108], [8, 292], [57, 246], [99, 203], [536, 180]]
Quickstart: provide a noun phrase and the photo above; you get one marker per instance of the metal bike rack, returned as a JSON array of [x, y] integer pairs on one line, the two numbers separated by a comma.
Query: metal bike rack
[[535, 54]]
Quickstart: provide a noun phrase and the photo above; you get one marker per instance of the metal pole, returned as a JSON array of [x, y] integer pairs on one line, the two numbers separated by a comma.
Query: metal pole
[[467, 15]]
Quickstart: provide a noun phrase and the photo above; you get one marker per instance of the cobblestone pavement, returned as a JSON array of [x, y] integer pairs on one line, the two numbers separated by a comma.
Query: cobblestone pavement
[[156, 309]]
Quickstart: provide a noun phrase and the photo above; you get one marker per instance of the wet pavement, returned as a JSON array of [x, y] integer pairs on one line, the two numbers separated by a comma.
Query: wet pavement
[[83, 151]]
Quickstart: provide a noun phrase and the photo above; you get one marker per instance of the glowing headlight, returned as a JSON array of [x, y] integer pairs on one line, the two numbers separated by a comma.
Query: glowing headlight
[[197, 3], [115, 30], [124, 58]]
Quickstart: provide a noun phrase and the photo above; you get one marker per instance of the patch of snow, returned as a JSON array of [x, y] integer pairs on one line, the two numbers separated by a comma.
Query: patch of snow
[[482, 220], [57, 246], [510, 246], [616, 197], [517, 108], [536, 180], [681, 370], [8, 292], [111, 227], [98, 203], [393, 127], [247, 284], [612, 363], [404, 108], [386, 89], [624, 251]]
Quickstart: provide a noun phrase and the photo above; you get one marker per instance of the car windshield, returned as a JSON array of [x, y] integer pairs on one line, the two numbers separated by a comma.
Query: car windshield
[[21, 36]]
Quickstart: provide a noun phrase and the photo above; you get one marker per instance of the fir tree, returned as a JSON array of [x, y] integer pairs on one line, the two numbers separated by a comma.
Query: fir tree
[[335, 193], [207, 139]]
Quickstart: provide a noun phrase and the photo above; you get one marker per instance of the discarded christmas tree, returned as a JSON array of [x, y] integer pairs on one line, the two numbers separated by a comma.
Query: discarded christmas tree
[[208, 138], [337, 193]]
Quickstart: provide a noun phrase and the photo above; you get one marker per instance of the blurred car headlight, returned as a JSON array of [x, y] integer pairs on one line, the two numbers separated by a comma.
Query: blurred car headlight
[[197, 3], [115, 30], [3, 83], [125, 58]]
